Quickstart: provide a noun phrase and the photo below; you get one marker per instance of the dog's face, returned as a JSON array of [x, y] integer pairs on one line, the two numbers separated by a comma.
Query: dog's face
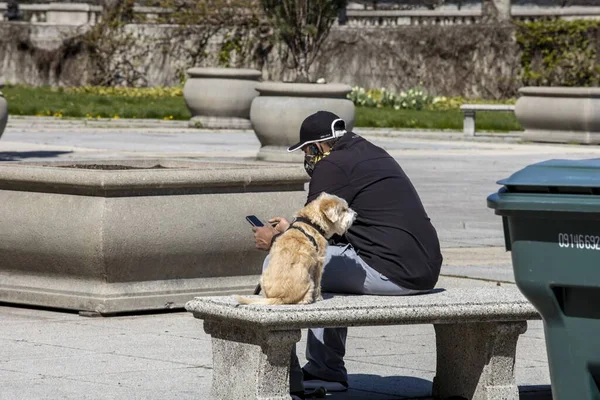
[[336, 214]]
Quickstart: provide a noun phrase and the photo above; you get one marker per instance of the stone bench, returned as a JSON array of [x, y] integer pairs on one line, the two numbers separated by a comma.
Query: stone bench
[[469, 111], [476, 338]]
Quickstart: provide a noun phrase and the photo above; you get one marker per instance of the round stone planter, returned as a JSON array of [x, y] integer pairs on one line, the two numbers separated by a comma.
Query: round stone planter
[[278, 112], [220, 98], [559, 114], [3, 113]]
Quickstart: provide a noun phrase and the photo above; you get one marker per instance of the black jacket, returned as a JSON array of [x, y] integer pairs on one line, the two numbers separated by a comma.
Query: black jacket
[[392, 232]]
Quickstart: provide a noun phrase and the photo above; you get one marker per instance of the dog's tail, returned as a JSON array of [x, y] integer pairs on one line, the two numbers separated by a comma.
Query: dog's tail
[[266, 301]]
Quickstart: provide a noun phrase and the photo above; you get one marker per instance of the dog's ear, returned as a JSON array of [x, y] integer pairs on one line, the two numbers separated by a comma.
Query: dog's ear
[[332, 209], [331, 206], [324, 196], [333, 215]]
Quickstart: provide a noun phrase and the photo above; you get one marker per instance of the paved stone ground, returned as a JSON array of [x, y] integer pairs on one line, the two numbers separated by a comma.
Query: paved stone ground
[[56, 355], [47, 354]]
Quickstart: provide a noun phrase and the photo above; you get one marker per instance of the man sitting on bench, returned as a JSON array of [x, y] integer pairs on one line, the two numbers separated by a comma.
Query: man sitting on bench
[[392, 249]]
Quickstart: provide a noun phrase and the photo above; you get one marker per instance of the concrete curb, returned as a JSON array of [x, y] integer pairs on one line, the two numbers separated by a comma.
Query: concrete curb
[[426, 134], [109, 123]]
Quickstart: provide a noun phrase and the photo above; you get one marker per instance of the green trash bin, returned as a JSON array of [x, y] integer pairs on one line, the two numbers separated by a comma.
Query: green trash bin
[[551, 217]]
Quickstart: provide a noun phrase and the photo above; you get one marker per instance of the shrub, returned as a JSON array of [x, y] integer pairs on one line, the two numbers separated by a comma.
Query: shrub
[[559, 53]]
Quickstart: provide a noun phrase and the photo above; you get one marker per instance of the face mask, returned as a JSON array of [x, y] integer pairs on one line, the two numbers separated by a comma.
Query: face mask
[[312, 157]]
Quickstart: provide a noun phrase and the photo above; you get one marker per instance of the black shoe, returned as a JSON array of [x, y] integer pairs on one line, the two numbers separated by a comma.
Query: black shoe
[[299, 395], [319, 393], [313, 382]]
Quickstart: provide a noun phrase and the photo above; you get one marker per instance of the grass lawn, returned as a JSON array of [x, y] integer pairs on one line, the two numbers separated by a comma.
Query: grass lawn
[[56, 102], [47, 101], [450, 119]]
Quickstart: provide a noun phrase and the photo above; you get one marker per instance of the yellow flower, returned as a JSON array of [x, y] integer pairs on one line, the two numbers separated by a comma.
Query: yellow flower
[[154, 92]]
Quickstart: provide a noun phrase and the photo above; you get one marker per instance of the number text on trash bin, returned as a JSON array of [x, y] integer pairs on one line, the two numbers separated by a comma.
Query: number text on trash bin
[[578, 241]]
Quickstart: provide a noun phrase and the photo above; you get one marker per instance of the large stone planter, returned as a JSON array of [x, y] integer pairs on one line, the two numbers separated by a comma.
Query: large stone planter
[[278, 112], [3, 113], [220, 98], [559, 114], [147, 238]]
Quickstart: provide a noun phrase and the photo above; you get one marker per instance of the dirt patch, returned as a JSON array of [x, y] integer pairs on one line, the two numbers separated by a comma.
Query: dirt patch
[[109, 167]]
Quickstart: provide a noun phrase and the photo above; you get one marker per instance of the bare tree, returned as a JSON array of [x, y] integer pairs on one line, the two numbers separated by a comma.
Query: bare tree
[[109, 47], [196, 22], [303, 25]]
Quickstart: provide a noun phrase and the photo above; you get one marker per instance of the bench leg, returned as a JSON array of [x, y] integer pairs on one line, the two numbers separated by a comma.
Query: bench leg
[[469, 123], [477, 361], [250, 364]]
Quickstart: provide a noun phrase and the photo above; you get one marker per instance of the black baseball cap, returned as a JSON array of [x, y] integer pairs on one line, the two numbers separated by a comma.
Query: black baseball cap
[[319, 127]]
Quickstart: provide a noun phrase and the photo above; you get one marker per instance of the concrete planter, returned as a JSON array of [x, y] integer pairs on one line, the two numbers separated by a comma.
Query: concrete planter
[[220, 98], [146, 238], [559, 114], [3, 113], [278, 112]]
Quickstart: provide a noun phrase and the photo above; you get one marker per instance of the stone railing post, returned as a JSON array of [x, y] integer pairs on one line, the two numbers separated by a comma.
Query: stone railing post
[[495, 11]]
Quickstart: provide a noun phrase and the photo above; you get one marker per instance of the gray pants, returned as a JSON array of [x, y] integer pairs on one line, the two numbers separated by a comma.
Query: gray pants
[[344, 272]]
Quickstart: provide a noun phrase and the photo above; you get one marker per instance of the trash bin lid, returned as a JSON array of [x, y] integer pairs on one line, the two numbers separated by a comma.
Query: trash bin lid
[[557, 176], [553, 185]]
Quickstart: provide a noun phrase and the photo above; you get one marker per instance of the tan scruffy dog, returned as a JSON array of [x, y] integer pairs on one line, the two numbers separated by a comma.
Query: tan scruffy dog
[[293, 275]]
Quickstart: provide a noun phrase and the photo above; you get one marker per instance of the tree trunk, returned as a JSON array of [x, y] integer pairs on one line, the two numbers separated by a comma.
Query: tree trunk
[[302, 75]]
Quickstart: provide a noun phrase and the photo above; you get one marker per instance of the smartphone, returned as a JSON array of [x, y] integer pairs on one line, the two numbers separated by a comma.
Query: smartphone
[[254, 221]]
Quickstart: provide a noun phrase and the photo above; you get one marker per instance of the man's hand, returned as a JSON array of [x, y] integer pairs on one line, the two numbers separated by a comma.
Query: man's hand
[[263, 235], [281, 224]]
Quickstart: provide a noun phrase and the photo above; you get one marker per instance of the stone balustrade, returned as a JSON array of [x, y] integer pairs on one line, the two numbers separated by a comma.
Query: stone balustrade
[[82, 14], [73, 13], [568, 13], [381, 18], [390, 18], [57, 13]]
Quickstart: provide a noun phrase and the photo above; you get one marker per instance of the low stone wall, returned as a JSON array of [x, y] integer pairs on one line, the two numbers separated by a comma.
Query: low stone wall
[[40, 54], [469, 60]]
